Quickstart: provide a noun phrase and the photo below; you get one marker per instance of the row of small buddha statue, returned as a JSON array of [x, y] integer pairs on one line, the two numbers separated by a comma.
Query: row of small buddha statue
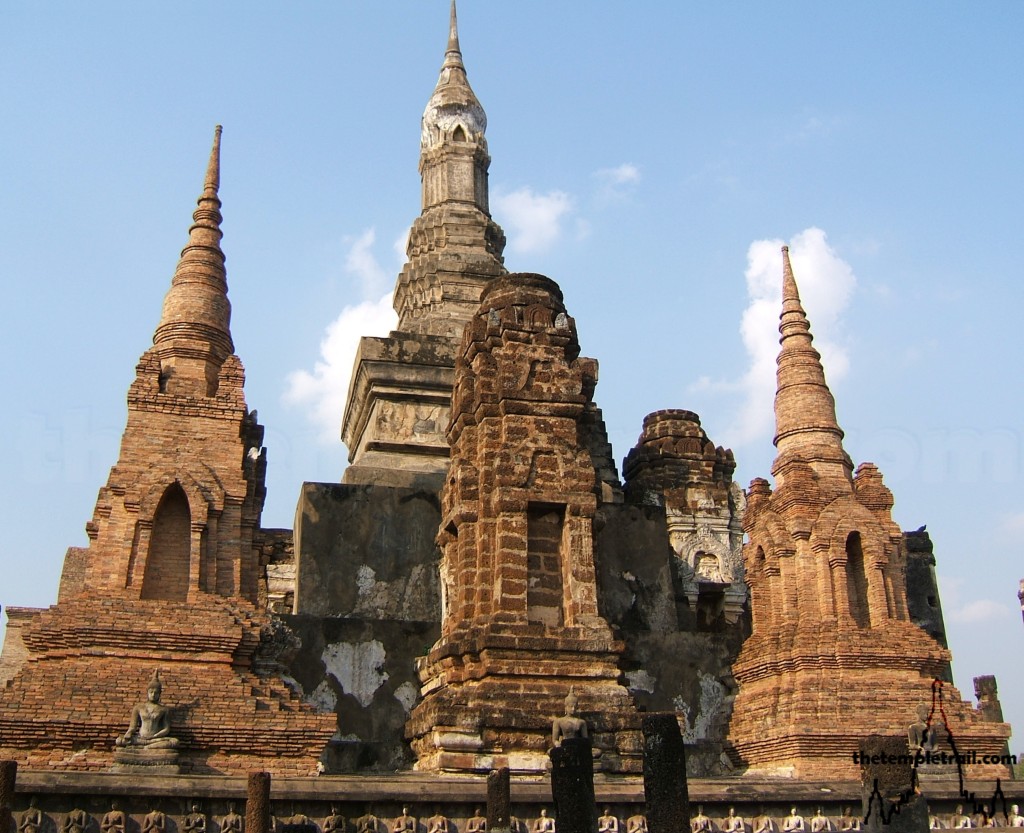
[[763, 823], [33, 820], [155, 821], [961, 821]]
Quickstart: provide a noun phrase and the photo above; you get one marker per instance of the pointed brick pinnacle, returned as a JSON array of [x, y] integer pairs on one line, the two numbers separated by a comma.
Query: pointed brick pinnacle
[[196, 312], [212, 184], [805, 411]]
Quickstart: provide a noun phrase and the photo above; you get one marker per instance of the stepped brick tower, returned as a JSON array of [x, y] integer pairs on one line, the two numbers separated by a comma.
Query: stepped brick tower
[[169, 579], [833, 656], [520, 622], [400, 394]]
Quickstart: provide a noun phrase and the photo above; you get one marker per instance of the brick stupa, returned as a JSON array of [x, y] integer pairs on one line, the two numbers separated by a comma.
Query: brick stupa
[[169, 579], [520, 622], [834, 656]]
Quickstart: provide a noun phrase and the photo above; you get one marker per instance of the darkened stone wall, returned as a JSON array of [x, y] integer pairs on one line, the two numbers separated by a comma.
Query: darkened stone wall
[[672, 663], [367, 552], [923, 600], [363, 670]]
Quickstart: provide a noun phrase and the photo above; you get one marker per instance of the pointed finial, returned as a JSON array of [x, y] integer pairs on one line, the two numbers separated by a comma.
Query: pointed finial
[[805, 411], [453, 55], [212, 183], [196, 314], [789, 290]]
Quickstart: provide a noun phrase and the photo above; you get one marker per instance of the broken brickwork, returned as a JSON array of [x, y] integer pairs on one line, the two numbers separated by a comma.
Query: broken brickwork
[[520, 621]]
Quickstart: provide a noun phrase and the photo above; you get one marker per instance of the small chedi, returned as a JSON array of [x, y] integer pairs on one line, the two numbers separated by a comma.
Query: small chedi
[[171, 577], [520, 620], [833, 643]]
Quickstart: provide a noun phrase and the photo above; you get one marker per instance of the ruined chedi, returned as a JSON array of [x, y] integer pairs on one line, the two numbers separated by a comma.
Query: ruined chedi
[[833, 656], [520, 621], [399, 397], [169, 581]]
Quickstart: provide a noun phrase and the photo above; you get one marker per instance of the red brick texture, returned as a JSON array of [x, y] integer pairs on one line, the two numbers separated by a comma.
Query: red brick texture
[[833, 656], [520, 621], [169, 579]]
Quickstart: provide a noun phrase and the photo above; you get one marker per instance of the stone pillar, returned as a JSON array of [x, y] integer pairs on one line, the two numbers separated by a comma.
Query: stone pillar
[[890, 800], [665, 793], [8, 777], [499, 801], [572, 786], [257, 803]]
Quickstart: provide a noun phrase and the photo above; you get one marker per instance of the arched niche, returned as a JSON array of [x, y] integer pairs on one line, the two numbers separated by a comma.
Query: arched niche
[[170, 548]]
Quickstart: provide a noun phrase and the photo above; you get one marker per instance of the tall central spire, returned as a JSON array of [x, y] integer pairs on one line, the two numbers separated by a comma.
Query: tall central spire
[[399, 401], [806, 427]]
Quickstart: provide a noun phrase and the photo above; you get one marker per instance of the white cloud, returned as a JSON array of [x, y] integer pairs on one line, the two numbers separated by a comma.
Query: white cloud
[[533, 221], [624, 174], [400, 246], [1013, 523], [361, 262], [980, 610], [956, 608], [826, 283], [323, 390]]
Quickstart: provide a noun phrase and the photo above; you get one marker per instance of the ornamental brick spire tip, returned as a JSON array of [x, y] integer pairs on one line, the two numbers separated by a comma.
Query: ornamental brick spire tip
[[194, 335], [805, 411]]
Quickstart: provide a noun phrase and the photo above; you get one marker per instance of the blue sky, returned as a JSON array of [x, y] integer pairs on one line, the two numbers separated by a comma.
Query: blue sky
[[642, 155]]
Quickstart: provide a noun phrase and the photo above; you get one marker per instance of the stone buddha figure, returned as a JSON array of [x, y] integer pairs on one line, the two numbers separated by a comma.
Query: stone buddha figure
[[195, 822], [920, 735], [367, 823], [77, 821], [763, 823], [232, 822], [334, 823], [700, 823], [819, 822], [935, 823], [607, 823], [543, 824], [732, 823], [568, 725], [32, 819], [113, 821], [476, 823], [154, 821], [439, 823], [404, 823], [636, 824], [959, 821], [848, 821], [150, 725], [794, 822], [1014, 819]]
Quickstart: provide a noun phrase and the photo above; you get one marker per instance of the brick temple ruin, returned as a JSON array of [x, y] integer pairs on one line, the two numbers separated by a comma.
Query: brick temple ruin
[[429, 615]]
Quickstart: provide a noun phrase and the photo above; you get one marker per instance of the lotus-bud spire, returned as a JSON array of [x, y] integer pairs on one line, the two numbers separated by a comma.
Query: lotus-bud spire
[[805, 411], [194, 334]]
